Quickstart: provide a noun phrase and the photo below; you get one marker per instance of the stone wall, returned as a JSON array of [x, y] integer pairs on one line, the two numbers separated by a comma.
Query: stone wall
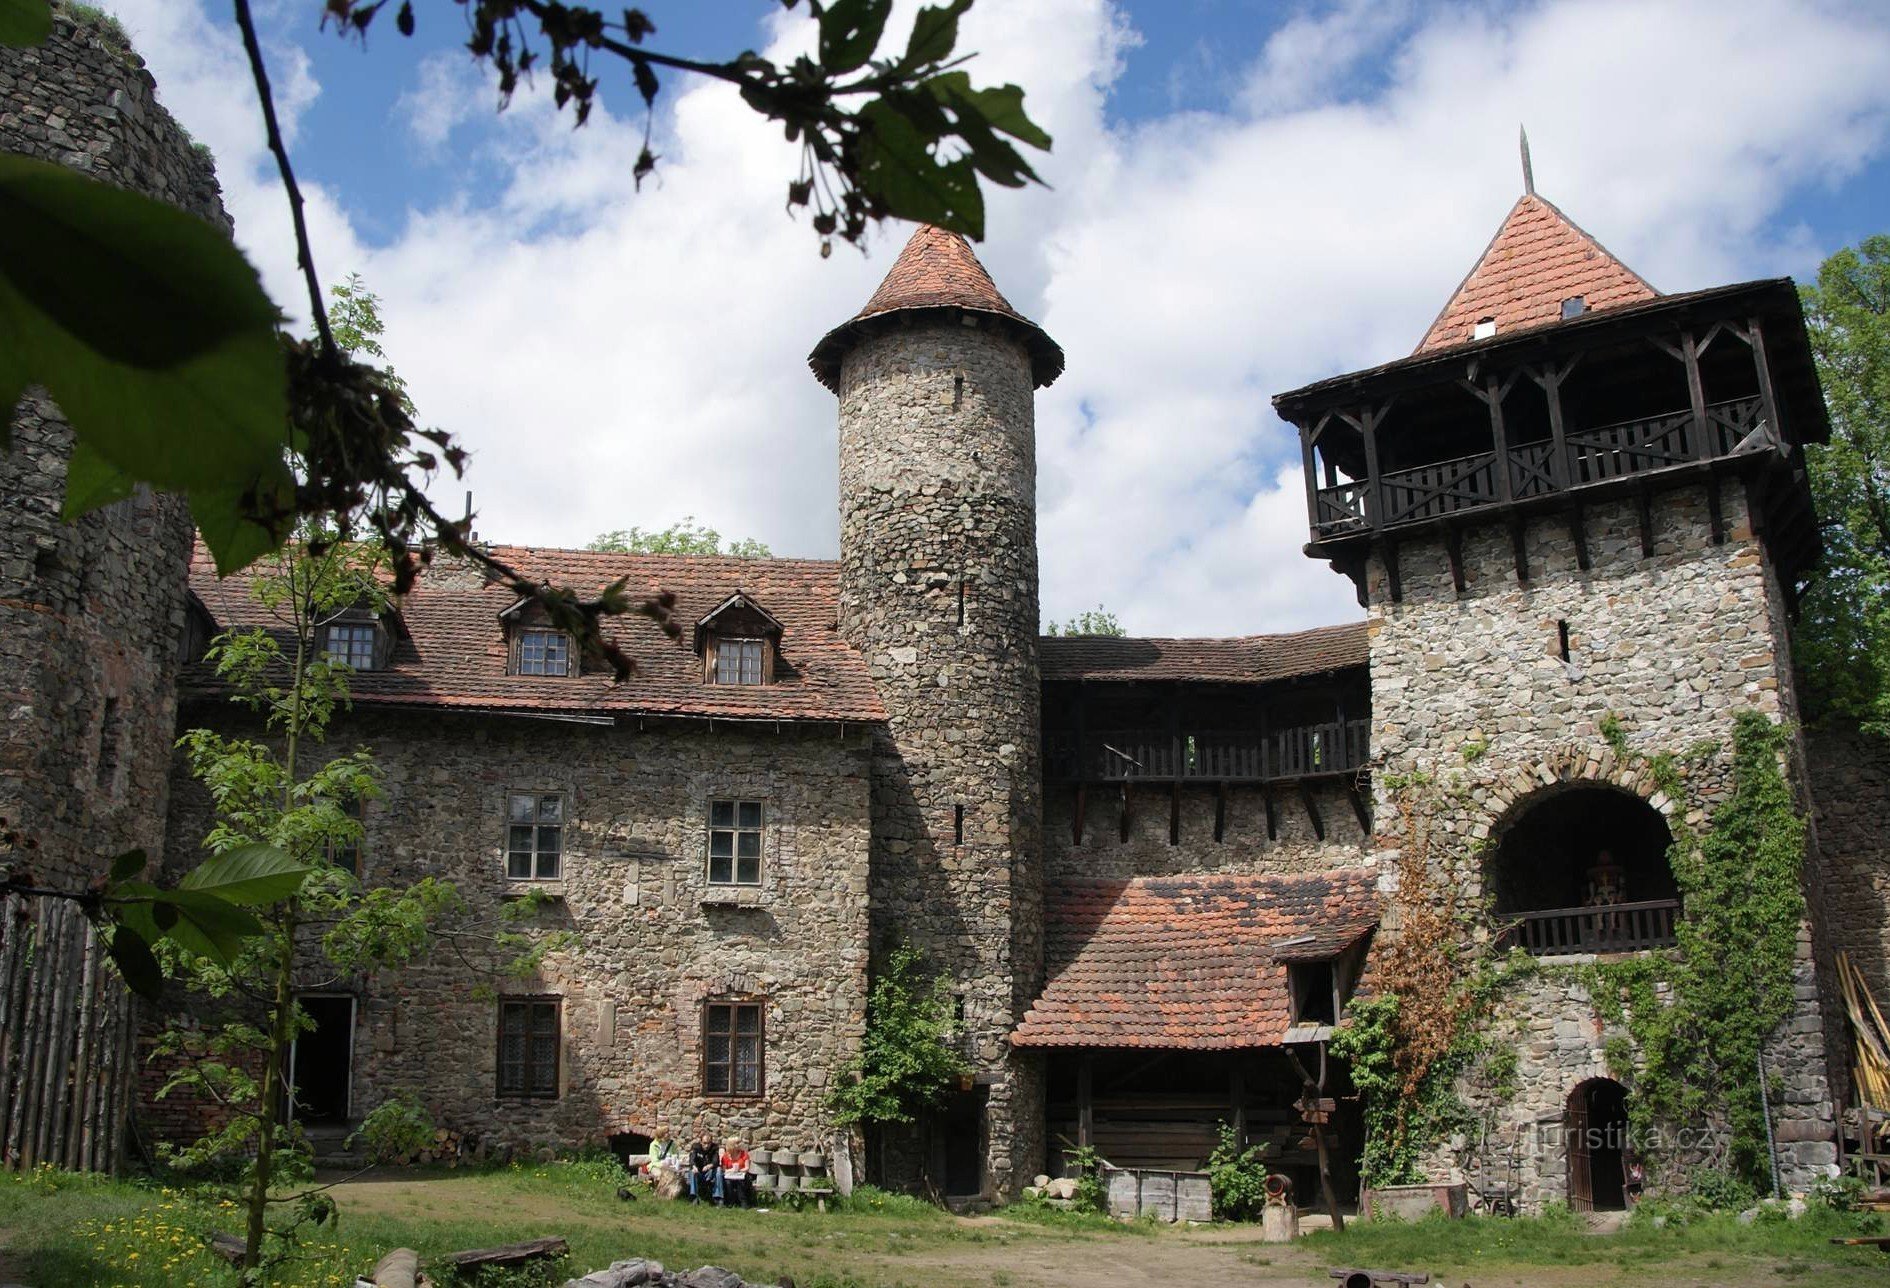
[[654, 938], [1471, 689], [91, 612], [1850, 783], [1244, 846], [939, 593]]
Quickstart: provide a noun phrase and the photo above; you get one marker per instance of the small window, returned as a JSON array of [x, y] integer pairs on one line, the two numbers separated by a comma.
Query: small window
[[738, 661], [534, 841], [528, 1047], [1574, 306], [1484, 329], [735, 842], [732, 1048], [1314, 991], [111, 734], [347, 854], [544, 653], [351, 643]]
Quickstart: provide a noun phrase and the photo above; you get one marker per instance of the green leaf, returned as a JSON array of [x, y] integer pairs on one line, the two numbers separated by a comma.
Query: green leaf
[[130, 906], [1000, 107], [850, 32], [127, 865], [898, 167], [223, 519], [92, 481], [148, 328], [25, 22], [934, 33], [253, 875], [134, 961], [209, 926]]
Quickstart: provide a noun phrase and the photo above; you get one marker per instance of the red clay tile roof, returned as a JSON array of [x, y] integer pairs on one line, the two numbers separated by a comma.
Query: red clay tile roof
[[1244, 659], [455, 652], [1538, 258], [1183, 962], [936, 270]]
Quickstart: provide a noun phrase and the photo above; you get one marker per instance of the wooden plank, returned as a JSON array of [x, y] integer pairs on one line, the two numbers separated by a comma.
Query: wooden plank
[[1085, 1106], [511, 1254]]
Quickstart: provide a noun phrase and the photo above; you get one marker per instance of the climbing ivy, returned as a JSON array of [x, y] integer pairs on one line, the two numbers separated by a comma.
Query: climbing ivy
[[1697, 1017]]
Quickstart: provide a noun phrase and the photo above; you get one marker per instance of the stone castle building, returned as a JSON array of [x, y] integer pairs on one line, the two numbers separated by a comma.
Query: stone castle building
[[1152, 870]]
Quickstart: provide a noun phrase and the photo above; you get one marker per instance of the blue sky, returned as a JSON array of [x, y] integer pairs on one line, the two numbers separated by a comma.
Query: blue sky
[[1244, 196]]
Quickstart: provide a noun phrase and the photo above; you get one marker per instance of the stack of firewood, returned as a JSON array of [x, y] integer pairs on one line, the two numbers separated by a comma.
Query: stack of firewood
[[449, 1148]]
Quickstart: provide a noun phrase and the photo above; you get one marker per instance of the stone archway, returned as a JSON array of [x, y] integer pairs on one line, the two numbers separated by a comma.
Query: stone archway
[[1595, 1131]]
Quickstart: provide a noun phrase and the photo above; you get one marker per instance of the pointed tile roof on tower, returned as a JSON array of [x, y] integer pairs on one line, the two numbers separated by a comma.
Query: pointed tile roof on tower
[[1538, 258], [936, 270]]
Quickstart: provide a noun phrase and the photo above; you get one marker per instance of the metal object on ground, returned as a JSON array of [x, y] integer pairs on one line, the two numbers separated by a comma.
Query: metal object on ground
[[1367, 1278]]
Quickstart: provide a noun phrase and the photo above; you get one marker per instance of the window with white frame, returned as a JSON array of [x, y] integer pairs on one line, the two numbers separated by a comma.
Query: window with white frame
[[544, 653], [352, 643], [534, 837], [738, 661], [735, 842]]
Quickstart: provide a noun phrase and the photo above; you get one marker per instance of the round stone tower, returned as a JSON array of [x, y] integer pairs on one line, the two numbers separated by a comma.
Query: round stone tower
[[938, 591]]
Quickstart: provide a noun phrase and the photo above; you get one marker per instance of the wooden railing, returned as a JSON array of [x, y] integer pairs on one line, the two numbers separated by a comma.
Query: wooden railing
[[1590, 456], [1146, 755], [1611, 928]]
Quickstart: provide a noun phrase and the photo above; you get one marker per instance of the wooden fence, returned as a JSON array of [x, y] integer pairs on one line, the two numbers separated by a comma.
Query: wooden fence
[[66, 1041]]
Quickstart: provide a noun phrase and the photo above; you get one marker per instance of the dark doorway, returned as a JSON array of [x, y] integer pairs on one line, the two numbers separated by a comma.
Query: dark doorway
[[962, 1130], [321, 1063], [1597, 1146]]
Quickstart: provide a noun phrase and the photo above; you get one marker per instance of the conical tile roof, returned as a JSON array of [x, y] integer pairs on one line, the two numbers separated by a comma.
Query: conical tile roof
[[1538, 259], [936, 270]]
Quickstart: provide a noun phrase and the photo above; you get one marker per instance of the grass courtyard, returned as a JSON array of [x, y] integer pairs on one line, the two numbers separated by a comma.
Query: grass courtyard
[[67, 1230]]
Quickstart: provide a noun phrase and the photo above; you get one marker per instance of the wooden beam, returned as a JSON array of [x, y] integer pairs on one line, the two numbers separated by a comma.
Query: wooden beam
[[1578, 532], [1085, 1101], [1312, 810], [1237, 1095], [1123, 827], [1273, 826], [1696, 394], [1393, 573], [1499, 434], [1767, 401], [1358, 808], [1453, 551], [1174, 810], [1644, 508], [1312, 477], [1519, 545], [1374, 499], [1220, 810], [1078, 807], [1713, 510]]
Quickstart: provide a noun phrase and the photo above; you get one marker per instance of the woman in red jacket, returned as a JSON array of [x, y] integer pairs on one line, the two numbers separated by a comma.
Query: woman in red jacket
[[738, 1184]]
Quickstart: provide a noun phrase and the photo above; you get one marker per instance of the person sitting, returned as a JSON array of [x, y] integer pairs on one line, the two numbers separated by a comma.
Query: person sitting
[[738, 1185], [705, 1171], [662, 1152]]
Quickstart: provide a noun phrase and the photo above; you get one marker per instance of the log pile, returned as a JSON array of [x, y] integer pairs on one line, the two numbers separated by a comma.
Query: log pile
[[449, 1149]]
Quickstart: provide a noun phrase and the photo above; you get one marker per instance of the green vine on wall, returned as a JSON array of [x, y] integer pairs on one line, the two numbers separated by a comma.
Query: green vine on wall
[[1694, 1053]]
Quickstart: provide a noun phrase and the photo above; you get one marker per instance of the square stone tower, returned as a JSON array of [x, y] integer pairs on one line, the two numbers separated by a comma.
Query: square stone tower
[[938, 591], [1578, 519]]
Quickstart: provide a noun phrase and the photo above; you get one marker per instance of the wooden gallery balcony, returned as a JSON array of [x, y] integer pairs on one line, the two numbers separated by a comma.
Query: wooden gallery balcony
[[1338, 747], [1678, 391], [1609, 928]]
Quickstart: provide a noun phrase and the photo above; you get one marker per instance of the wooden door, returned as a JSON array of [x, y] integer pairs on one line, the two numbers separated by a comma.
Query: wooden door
[[1581, 1190]]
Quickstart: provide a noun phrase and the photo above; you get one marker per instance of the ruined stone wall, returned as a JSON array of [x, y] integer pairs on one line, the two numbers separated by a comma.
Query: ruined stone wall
[[654, 938], [1850, 783], [938, 510], [1470, 688], [91, 612], [1244, 846]]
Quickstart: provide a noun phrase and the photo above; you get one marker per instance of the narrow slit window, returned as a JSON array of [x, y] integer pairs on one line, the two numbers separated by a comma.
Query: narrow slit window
[[345, 852], [1561, 631], [110, 734], [958, 392], [958, 825]]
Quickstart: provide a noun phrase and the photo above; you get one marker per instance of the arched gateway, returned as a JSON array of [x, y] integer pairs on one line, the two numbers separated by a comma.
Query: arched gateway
[[1596, 1126]]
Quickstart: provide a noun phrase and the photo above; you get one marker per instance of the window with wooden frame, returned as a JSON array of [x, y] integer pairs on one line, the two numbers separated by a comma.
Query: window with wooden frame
[[542, 652], [346, 854], [528, 1046], [733, 1046], [355, 643], [738, 660], [735, 829], [534, 836]]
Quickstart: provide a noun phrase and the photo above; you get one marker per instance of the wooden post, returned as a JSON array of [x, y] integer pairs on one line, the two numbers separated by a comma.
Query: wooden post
[[1551, 381], [1237, 1093], [1696, 394], [1085, 1103], [1312, 477], [1499, 434], [1768, 405], [1374, 500]]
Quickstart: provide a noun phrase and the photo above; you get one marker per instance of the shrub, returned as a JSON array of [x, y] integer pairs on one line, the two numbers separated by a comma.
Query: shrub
[[1237, 1178]]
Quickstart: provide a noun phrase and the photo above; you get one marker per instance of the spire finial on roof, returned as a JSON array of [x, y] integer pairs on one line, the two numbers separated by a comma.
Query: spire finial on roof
[[1528, 171]]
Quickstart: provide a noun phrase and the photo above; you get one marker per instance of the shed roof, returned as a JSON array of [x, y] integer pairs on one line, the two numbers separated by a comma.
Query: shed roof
[[1187, 963], [1241, 659]]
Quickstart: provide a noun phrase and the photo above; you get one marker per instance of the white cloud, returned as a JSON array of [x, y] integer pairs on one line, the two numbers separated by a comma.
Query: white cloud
[[616, 357]]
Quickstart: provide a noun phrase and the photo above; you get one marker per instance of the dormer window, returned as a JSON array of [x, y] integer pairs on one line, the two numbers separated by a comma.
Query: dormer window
[[1484, 329], [1573, 307], [738, 661], [1313, 988], [354, 643], [738, 641], [544, 652]]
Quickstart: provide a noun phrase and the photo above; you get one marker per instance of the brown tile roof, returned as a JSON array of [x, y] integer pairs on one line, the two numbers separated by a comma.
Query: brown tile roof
[[936, 270], [1538, 258], [1183, 962], [1243, 659], [454, 653]]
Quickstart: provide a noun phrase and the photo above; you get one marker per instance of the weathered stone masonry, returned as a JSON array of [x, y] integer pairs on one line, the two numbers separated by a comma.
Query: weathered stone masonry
[[654, 939]]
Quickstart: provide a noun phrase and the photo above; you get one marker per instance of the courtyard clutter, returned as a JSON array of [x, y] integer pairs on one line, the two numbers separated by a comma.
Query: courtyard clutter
[[637, 1271]]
